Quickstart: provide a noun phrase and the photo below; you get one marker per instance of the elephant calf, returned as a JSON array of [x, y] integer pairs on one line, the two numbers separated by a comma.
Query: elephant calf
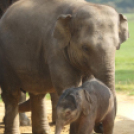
[[87, 106]]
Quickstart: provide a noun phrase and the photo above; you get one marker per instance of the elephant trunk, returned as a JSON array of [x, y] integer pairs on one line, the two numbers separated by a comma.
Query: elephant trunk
[[105, 71], [59, 127], [108, 78], [107, 75], [54, 101]]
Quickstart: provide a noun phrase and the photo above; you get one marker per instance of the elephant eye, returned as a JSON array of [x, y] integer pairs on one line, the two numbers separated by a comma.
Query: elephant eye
[[85, 48]]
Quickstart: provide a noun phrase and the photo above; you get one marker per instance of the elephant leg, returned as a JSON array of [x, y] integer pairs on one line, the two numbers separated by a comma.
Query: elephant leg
[[24, 121], [108, 123], [39, 116], [25, 106], [11, 113], [81, 127], [54, 101]]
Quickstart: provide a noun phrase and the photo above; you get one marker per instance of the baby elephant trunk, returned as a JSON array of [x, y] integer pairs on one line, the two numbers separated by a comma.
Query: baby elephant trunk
[[59, 127]]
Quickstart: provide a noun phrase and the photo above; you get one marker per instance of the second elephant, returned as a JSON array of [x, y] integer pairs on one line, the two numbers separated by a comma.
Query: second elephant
[[88, 106]]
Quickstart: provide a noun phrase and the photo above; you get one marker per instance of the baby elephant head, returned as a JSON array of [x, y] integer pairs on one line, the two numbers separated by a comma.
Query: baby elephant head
[[71, 104]]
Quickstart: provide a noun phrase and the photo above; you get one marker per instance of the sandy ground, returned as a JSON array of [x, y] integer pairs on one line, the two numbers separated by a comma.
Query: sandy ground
[[124, 123]]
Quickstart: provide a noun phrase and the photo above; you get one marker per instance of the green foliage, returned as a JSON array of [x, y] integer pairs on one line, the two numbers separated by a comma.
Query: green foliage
[[119, 5], [48, 97]]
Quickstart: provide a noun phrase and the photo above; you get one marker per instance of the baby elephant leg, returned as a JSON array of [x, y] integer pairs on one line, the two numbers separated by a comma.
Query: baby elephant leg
[[108, 123]]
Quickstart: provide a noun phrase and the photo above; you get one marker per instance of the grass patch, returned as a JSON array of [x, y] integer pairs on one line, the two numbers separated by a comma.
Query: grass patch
[[47, 97], [130, 16], [124, 62], [131, 92]]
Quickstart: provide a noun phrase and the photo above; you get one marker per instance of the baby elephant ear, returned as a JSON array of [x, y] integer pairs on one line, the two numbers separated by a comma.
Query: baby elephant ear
[[62, 31], [86, 103], [123, 30], [87, 96]]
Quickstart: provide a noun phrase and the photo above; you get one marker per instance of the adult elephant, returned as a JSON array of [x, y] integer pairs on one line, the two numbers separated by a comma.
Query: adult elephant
[[24, 121], [4, 4], [47, 45]]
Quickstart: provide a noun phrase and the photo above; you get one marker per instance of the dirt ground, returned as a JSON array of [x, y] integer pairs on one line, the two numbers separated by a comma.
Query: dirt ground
[[124, 123]]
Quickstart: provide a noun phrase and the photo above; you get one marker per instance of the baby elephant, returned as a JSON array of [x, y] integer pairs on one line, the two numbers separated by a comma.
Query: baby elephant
[[88, 107]]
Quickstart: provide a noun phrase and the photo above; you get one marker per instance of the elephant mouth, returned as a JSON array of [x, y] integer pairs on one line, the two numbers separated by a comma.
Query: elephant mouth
[[70, 120]]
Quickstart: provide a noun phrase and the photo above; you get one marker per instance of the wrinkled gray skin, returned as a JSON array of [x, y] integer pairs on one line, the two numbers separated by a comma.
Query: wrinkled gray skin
[[86, 107], [51, 45], [24, 121]]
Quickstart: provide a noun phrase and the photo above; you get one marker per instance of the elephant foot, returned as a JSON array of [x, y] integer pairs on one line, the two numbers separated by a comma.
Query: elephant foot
[[24, 121], [43, 129], [46, 131]]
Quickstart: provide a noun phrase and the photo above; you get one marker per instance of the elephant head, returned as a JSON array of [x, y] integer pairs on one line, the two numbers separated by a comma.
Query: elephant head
[[72, 103], [90, 36]]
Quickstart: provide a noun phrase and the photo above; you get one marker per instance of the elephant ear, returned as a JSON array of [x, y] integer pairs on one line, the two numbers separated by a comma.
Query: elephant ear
[[87, 103], [64, 94], [74, 99], [62, 30], [123, 30]]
